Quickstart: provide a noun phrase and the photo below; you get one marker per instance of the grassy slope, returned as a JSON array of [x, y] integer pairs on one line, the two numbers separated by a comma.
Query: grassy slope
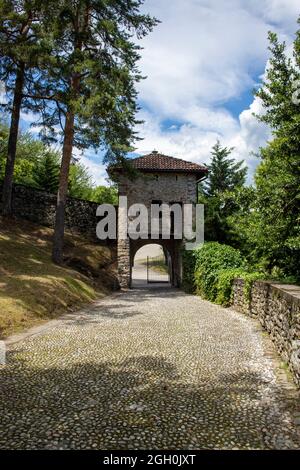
[[32, 288]]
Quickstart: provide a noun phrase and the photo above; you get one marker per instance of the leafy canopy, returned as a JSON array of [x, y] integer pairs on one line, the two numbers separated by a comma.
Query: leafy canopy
[[270, 227], [92, 74], [37, 165]]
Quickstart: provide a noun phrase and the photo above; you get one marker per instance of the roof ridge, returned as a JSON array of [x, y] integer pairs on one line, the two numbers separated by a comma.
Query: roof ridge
[[159, 162], [159, 154]]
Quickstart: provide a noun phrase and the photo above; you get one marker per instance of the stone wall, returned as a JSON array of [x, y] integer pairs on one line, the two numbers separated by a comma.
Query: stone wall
[[277, 307], [166, 187], [39, 207]]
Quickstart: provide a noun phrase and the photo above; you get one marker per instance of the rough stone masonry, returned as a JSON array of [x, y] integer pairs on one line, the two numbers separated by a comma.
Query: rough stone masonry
[[161, 179], [39, 207], [277, 307]]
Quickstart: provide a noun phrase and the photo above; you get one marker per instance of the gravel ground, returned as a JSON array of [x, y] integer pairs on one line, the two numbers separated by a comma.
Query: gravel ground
[[147, 369]]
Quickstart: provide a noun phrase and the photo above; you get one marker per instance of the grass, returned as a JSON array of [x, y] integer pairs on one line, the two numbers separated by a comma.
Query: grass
[[33, 289], [284, 366], [156, 264]]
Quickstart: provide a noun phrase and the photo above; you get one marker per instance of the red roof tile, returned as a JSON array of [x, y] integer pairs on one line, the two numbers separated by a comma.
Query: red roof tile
[[156, 161]]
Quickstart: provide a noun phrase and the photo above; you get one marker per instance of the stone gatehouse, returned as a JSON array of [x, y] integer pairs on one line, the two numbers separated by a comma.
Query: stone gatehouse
[[160, 179]]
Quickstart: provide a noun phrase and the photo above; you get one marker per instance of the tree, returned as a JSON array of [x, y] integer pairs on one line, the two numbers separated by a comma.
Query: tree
[[46, 172], [271, 229], [23, 46], [224, 173], [80, 184], [225, 176], [29, 150], [37, 165], [278, 175], [278, 207], [104, 195], [92, 84]]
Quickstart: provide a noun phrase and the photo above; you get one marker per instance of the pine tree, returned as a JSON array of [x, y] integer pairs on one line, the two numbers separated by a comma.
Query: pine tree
[[92, 80], [24, 46], [274, 225], [225, 176], [46, 172], [224, 173]]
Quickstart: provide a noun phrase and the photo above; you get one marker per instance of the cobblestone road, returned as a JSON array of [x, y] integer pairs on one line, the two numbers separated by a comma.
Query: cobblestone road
[[147, 369]]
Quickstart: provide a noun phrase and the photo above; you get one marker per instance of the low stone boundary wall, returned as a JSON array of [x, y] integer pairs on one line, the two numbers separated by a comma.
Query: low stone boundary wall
[[277, 307], [39, 207]]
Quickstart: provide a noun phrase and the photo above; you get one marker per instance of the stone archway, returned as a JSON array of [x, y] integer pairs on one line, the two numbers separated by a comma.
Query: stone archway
[[151, 266], [173, 249], [159, 179]]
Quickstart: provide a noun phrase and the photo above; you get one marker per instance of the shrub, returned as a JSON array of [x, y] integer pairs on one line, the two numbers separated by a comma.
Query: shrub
[[210, 270], [249, 278], [212, 259], [188, 270], [225, 283]]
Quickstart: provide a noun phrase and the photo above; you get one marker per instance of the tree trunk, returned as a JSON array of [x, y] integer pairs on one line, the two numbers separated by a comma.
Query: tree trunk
[[58, 241], [12, 143]]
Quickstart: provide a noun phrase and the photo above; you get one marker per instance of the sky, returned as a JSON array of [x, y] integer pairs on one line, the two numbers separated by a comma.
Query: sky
[[202, 62]]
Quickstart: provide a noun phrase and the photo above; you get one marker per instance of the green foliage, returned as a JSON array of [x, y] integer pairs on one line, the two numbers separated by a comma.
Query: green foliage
[[92, 74], [209, 271], [224, 173], [277, 90], [80, 184], [104, 195], [26, 42], [225, 283], [249, 278], [38, 165], [278, 176], [29, 150], [188, 270], [277, 209], [46, 172], [217, 193], [212, 258], [268, 221]]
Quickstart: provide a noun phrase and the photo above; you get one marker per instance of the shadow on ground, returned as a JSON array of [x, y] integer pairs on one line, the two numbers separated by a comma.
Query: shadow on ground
[[123, 307], [138, 403]]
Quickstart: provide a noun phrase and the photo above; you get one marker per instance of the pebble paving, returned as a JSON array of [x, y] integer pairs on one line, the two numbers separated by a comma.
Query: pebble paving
[[146, 369]]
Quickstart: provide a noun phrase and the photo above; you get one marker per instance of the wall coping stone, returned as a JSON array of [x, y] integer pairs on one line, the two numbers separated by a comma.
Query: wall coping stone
[[290, 292], [277, 307]]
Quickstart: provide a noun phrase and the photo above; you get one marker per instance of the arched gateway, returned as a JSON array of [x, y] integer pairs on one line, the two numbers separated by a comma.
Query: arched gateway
[[161, 179]]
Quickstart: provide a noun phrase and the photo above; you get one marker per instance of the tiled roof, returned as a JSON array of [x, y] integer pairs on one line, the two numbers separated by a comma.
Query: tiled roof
[[156, 161]]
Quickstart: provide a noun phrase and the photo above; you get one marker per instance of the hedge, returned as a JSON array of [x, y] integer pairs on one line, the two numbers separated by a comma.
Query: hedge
[[209, 271]]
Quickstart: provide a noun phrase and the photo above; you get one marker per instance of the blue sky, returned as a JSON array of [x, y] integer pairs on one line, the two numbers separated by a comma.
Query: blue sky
[[202, 63]]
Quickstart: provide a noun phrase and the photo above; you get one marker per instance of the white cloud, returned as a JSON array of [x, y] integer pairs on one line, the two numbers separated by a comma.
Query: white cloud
[[251, 136], [188, 141], [96, 169], [282, 12], [94, 165], [203, 54], [29, 119], [194, 143]]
